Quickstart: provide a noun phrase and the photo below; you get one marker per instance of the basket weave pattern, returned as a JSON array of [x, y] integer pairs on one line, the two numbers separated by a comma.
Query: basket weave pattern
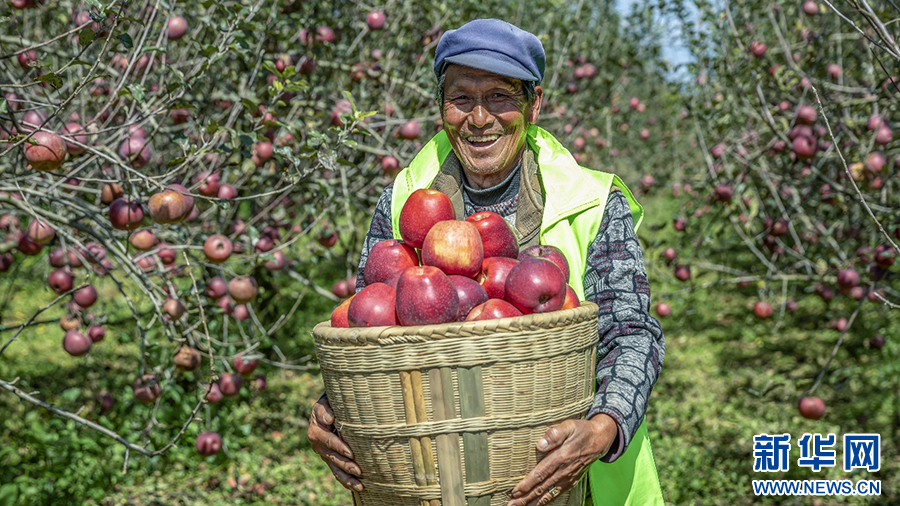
[[417, 404]]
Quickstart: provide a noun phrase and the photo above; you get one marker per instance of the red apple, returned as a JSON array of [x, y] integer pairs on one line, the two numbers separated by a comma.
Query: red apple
[[339, 317], [187, 359], [454, 247], [166, 254], [75, 132], [242, 289], [876, 342], [216, 288], [217, 248], [847, 279], [811, 8], [209, 184], [497, 236], [111, 192], [28, 247], [230, 384], [215, 394], [208, 443], [40, 231], [135, 150], [278, 263], [492, 277], [470, 294], [663, 310], [410, 130], [757, 48], [762, 309], [551, 253], [60, 281], [146, 389], [390, 165], [811, 408], [167, 207], [536, 285], [669, 254], [386, 258], [805, 147], [244, 367], [425, 296], [177, 27], [226, 192], [264, 150], [125, 215], [571, 300], [76, 344], [493, 309], [86, 296], [173, 308], [96, 333], [375, 20], [422, 210], [143, 240], [682, 272], [806, 114], [373, 306], [342, 288], [45, 151]]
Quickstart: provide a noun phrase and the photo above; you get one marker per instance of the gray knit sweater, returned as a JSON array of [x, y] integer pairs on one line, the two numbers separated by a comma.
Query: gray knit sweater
[[631, 346]]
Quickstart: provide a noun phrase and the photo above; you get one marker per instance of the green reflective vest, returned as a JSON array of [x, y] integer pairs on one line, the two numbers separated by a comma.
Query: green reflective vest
[[574, 201]]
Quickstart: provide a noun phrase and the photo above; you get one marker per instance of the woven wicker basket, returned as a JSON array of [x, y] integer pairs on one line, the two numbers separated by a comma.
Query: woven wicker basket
[[449, 415]]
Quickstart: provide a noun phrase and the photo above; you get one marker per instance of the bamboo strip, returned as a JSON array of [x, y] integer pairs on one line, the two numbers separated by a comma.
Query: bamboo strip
[[448, 456], [415, 445], [471, 405], [418, 391]]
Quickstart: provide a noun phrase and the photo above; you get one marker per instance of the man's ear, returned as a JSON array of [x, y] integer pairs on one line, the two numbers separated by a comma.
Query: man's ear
[[536, 105]]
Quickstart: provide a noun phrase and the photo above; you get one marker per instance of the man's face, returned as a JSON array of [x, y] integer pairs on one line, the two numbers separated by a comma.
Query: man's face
[[485, 116]]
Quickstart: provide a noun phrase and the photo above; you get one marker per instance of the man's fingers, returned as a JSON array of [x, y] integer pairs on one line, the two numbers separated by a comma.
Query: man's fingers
[[322, 412], [535, 480], [345, 464], [555, 436], [331, 441], [345, 479]]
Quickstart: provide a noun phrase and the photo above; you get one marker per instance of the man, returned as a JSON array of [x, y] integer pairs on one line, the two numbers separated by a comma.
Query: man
[[491, 156]]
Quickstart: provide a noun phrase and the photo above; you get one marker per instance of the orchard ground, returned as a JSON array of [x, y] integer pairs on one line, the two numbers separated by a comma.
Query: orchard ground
[[727, 376]]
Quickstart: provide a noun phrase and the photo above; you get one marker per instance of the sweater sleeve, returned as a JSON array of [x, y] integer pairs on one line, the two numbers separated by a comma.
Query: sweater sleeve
[[380, 229], [631, 348]]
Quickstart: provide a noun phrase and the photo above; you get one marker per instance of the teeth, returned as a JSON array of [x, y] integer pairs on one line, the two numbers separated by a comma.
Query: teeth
[[483, 138]]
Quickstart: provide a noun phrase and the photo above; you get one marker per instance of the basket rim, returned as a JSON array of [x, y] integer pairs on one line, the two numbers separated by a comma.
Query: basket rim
[[324, 332]]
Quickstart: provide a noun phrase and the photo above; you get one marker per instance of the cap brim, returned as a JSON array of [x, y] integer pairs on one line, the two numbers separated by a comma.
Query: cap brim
[[491, 61]]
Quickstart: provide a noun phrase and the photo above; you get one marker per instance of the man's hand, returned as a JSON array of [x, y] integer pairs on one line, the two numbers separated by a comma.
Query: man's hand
[[571, 447], [333, 450]]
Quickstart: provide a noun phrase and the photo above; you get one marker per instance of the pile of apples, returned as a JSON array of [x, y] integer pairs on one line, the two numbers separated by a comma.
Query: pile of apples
[[448, 270]]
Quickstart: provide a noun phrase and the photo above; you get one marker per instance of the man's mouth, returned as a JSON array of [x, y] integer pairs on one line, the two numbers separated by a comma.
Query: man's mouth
[[482, 141]]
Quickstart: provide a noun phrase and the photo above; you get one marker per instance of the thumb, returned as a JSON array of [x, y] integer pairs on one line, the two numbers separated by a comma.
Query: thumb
[[554, 437]]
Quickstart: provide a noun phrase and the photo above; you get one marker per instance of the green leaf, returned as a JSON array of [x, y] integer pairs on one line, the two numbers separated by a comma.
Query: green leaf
[[137, 91], [9, 494], [71, 394], [154, 49], [94, 3], [212, 128], [246, 140], [125, 39], [208, 51], [85, 36], [81, 62], [176, 161], [52, 79]]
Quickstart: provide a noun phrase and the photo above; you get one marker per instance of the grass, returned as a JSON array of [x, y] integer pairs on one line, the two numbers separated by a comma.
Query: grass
[[727, 376]]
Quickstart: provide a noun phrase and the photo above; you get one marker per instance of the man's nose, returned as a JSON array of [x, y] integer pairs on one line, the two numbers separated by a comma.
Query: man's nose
[[480, 116]]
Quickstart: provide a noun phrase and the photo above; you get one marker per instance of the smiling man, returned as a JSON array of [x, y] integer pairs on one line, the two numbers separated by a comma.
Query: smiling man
[[491, 156]]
